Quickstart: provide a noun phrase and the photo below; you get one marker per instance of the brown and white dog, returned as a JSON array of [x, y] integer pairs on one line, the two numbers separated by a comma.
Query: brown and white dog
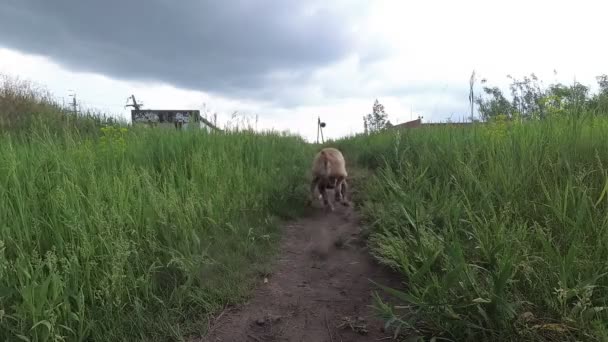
[[329, 172]]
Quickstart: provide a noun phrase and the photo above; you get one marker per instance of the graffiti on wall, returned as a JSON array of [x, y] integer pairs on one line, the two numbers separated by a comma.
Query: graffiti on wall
[[178, 118], [164, 116]]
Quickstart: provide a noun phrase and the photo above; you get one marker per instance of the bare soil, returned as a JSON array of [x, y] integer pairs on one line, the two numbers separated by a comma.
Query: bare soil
[[319, 289]]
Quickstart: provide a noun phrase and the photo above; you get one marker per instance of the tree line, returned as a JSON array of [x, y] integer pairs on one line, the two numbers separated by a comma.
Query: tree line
[[530, 100]]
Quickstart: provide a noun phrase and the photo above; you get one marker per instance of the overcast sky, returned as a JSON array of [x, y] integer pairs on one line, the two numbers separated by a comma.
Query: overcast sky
[[289, 61]]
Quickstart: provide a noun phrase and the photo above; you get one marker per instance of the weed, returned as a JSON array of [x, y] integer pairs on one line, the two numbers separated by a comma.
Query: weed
[[492, 221]]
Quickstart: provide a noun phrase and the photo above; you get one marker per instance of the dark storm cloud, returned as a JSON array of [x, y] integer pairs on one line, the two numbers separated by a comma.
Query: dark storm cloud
[[232, 48]]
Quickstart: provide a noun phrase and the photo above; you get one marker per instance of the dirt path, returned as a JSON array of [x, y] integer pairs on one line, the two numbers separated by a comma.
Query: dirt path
[[319, 289]]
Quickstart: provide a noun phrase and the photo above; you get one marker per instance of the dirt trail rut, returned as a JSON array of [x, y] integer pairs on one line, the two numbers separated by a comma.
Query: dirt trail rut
[[319, 289]]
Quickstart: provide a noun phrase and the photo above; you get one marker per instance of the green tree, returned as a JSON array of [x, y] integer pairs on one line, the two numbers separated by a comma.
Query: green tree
[[560, 99], [532, 101], [377, 120], [494, 104], [527, 97], [599, 102]]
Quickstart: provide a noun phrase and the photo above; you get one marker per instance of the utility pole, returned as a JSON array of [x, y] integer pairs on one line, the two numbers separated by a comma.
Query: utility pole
[[472, 94], [320, 126], [74, 103]]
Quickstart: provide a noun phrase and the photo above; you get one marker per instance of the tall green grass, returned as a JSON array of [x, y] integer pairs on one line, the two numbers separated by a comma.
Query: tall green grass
[[500, 231], [137, 234], [24, 105]]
